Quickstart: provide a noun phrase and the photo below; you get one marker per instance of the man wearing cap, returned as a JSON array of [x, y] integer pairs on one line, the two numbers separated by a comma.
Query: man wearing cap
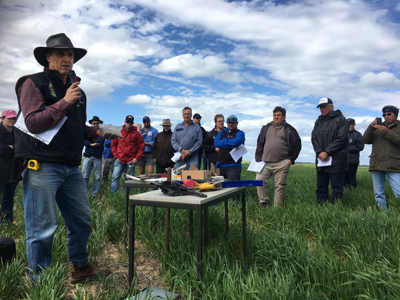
[[227, 139], [162, 148], [278, 145], [46, 99], [202, 154], [127, 152], [385, 156], [356, 145], [8, 166], [148, 133], [187, 139], [330, 138], [208, 143], [92, 158]]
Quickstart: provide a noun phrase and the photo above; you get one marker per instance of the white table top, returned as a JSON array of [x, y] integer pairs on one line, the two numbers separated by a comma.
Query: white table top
[[158, 196]]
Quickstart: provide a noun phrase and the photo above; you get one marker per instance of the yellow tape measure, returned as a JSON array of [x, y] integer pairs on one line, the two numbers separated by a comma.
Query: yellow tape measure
[[33, 164]]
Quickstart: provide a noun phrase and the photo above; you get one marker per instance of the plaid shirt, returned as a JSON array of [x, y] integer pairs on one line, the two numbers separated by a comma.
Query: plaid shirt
[[38, 118]]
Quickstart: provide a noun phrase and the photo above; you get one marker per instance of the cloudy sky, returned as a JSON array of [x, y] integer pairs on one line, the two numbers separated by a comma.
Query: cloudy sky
[[153, 57]]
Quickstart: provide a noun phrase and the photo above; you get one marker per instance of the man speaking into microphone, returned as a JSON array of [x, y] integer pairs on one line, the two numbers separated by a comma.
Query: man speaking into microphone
[[44, 99]]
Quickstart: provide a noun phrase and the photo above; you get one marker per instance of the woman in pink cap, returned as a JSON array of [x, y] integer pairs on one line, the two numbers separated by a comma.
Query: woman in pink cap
[[8, 165]]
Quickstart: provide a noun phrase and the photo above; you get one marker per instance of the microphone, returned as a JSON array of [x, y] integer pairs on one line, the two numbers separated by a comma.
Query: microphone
[[72, 76]]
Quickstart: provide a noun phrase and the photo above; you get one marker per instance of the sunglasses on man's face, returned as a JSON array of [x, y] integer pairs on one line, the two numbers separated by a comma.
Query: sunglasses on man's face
[[129, 122], [387, 114], [95, 123]]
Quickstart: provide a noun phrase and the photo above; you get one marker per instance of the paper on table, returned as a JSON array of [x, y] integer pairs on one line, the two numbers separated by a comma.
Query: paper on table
[[176, 157], [237, 154], [324, 163], [256, 166], [45, 136]]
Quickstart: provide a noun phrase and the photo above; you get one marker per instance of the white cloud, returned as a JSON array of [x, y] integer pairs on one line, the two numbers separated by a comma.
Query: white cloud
[[138, 99], [381, 80], [190, 65]]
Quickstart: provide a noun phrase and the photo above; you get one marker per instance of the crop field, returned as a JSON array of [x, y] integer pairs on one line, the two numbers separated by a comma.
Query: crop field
[[301, 250]]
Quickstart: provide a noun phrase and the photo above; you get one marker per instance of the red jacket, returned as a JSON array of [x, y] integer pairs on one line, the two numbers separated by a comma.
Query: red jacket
[[130, 146]]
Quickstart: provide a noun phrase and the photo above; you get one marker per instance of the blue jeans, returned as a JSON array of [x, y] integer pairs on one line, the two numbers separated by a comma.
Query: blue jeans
[[191, 159], [44, 189], [7, 191], [94, 163], [337, 184], [119, 168], [379, 180]]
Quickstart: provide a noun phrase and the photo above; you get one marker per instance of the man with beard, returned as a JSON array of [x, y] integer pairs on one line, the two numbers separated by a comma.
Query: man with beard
[[162, 148], [208, 143]]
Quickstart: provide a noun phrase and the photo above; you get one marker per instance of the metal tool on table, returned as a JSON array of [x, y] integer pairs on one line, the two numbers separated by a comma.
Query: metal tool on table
[[174, 188]]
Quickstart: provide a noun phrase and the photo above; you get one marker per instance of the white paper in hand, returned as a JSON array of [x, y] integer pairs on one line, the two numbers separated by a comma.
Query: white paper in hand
[[324, 163], [176, 157], [237, 154]]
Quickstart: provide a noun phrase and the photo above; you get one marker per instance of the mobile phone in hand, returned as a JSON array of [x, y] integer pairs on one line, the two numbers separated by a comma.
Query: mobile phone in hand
[[379, 121]]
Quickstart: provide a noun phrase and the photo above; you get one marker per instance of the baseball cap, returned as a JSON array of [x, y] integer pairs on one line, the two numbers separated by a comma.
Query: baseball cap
[[351, 121], [9, 114], [129, 119], [324, 101], [146, 118], [197, 116], [232, 118]]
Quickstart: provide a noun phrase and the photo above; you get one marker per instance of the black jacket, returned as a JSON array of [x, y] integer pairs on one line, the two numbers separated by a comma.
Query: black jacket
[[8, 165], [209, 147], [66, 146], [162, 149], [355, 146], [331, 134], [292, 138]]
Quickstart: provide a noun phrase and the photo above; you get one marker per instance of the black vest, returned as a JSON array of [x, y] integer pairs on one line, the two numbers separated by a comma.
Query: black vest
[[223, 154], [66, 146]]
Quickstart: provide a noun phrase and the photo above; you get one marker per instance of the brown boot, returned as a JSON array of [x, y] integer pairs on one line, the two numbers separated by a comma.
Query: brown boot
[[82, 273]]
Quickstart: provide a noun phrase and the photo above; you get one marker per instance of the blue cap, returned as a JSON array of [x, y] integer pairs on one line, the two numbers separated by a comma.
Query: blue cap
[[232, 118]]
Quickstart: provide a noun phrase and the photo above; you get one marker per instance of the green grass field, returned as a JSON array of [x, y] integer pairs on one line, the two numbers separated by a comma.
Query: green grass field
[[350, 250]]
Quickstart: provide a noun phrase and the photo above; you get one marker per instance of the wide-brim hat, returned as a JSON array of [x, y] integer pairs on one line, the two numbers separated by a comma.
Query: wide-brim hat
[[96, 118], [57, 41], [166, 122]]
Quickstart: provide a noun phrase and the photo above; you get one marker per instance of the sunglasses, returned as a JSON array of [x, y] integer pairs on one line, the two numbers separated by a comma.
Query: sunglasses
[[387, 114], [129, 122], [93, 123]]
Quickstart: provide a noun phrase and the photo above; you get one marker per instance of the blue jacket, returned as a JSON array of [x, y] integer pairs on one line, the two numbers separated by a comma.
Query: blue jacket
[[107, 153], [148, 137], [95, 151], [229, 144]]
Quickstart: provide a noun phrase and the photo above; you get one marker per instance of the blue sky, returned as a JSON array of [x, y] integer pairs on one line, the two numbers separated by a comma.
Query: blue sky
[[232, 57]]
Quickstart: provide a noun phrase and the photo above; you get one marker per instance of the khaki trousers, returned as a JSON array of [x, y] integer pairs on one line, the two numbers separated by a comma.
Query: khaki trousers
[[279, 171]]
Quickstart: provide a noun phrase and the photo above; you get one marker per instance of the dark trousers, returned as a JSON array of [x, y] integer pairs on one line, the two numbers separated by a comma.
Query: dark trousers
[[230, 173], [7, 191], [162, 169], [337, 184], [350, 176]]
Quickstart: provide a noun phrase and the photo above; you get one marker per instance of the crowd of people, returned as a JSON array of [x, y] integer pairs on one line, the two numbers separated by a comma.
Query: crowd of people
[[54, 178]]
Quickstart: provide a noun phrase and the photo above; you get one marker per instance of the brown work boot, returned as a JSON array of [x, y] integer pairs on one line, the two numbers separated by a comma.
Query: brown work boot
[[82, 273]]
